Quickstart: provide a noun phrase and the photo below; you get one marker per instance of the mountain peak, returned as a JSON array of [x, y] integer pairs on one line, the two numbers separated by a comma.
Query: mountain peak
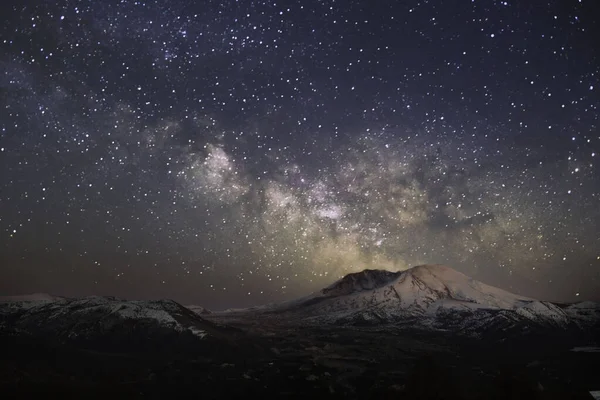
[[436, 282], [198, 309], [370, 279], [432, 296], [420, 289], [367, 279]]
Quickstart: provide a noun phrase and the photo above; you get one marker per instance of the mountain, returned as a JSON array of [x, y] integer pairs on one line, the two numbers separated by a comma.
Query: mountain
[[10, 304], [432, 297], [425, 297], [198, 309], [421, 287], [108, 323]]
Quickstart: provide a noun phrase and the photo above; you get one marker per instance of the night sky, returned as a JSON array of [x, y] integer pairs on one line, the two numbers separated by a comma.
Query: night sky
[[233, 153]]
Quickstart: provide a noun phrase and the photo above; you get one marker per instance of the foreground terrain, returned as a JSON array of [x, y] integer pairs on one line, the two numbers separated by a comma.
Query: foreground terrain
[[437, 335]]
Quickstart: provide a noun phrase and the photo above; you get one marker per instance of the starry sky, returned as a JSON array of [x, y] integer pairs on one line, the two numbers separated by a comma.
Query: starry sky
[[233, 153]]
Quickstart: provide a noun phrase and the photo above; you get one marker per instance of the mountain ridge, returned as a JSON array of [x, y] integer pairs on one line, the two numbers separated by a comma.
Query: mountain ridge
[[429, 296], [104, 323], [417, 287]]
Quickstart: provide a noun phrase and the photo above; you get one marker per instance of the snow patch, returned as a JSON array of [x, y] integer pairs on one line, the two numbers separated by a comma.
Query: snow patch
[[590, 349], [198, 332], [457, 305]]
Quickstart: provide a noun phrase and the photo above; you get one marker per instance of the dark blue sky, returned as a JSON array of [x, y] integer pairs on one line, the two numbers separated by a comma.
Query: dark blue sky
[[234, 153]]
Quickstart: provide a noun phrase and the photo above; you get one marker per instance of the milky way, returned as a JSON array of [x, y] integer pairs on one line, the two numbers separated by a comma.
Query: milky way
[[237, 153]]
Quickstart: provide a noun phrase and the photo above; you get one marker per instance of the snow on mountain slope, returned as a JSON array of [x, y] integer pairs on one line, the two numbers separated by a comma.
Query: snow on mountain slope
[[423, 285], [457, 305], [198, 309], [10, 304], [368, 279], [551, 312], [95, 317], [114, 325], [430, 296], [411, 292]]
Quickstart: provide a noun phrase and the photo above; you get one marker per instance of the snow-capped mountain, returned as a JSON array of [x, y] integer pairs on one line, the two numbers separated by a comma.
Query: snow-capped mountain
[[419, 288], [112, 323], [431, 296]]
